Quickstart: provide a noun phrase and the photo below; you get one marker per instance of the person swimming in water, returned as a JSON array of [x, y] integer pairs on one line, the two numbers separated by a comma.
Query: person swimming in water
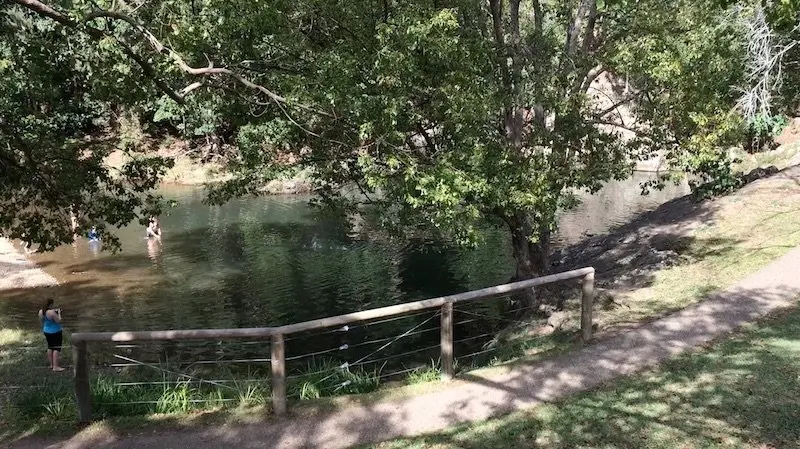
[[152, 228]]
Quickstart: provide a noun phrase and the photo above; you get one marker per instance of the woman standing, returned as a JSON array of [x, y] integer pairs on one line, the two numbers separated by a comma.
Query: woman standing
[[51, 326], [153, 229]]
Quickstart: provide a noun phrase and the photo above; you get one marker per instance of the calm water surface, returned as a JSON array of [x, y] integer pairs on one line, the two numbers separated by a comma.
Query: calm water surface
[[271, 261]]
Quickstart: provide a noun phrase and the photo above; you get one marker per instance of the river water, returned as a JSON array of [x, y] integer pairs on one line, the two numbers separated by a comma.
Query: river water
[[270, 261]]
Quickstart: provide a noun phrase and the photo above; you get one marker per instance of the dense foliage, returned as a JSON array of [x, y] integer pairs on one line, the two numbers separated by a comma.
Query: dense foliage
[[440, 115], [50, 99]]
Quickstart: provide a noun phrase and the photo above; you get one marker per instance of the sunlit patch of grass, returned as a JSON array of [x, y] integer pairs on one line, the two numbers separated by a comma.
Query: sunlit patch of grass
[[779, 158], [178, 398], [742, 239], [325, 377], [251, 395], [12, 337], [111, 399], [29, 391], [742, 393], [429, 373]]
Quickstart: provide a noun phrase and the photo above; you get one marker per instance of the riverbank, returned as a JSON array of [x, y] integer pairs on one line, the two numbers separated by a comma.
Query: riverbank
[[196, 165], [188, 170], [669, 259], [16, 271]]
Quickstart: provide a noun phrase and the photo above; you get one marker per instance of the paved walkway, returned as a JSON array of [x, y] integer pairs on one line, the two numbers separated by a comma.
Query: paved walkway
[[477, 398]]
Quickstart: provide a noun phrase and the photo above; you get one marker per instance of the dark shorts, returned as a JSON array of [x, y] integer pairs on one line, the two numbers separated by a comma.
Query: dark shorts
[[54, 340]]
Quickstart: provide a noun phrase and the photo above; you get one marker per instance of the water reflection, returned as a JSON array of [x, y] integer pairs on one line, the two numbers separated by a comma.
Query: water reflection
[[94, 247], [154, 250]]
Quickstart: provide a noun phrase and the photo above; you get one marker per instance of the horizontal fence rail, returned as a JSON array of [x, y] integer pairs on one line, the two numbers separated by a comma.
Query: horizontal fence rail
[[277, 334]]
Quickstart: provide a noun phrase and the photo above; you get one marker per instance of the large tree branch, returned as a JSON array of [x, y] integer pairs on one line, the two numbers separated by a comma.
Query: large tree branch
[[588, 33], [513, 19], [538, 18], [44, 10], [618, 104], [636, 131], [151, 73], [591, 76], [496, 9]]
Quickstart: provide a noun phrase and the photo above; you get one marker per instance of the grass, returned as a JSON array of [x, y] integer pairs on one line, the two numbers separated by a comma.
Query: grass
[[31, 396], [34, 397], [780, 158], [430, 373], [742, 393], [325, 377], [743, 235]]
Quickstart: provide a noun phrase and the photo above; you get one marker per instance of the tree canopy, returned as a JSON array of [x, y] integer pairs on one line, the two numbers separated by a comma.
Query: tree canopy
[[442, 115]]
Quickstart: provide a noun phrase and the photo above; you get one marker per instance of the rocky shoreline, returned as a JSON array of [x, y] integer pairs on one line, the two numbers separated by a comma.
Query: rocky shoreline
[[17, 271]]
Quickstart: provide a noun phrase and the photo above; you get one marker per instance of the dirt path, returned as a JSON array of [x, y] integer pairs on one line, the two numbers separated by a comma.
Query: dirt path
[[477, 397]]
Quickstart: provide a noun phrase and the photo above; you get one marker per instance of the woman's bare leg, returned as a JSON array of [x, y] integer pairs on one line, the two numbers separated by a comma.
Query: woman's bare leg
[[55, 361], [50, 358]]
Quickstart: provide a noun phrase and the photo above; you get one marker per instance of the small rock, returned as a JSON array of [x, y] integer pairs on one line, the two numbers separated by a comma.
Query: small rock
[[758, 173], [557, 320], [628, 259], [290, 187]]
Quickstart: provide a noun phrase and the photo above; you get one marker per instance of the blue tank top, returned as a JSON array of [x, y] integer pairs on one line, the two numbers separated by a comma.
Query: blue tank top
[[49, 326]]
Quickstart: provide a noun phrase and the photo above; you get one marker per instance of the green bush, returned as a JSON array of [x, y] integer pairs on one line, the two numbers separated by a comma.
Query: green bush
[[762, 132]]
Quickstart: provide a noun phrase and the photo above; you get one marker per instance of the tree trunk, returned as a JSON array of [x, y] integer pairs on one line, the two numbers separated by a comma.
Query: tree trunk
[[532, 257]]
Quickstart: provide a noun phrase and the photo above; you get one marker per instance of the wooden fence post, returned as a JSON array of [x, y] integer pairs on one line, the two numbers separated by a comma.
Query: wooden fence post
[[83, 390], [447, 341], [587, 302], [278, 362]]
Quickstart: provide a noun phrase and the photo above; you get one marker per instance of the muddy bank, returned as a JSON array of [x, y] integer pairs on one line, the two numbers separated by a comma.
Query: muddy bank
[[16, 271]]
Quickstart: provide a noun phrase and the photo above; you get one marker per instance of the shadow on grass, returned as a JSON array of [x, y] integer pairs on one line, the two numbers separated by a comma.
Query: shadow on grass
[[742, 393], [666, 228]]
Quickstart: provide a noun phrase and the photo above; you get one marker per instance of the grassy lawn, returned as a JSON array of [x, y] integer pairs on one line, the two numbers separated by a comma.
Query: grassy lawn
[[780, 158], [28, 389], [742, 393]]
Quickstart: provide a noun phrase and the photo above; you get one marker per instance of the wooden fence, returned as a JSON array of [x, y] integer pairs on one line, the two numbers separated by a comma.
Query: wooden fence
[[80, 341]]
